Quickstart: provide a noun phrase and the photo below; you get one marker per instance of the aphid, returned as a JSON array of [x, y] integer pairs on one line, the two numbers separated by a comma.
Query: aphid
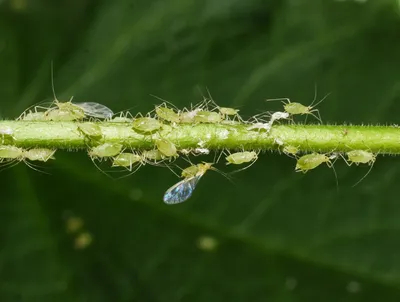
[[208, 117], [105, 150], [90, 130], [189, 116], [290, 150], [260, 126], [121, 119], [311, 161], [295, 108], [239, 158], [126, 160], [228, 111], [146, 124], [32, 116], [11, 152], [190, 171], [166, 147], [167, 114], [6, 133], [278, 116], [95, 110], [39, 154], [154, 154], [181, 191], [360, 157]]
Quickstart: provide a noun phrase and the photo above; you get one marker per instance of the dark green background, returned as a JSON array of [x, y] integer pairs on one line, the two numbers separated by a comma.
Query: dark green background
[[273, 226]]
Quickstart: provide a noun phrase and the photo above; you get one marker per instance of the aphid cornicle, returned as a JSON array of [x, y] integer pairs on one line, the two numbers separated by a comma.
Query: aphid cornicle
[[311, 161], [182, 191], [239, 158], [146, 124]]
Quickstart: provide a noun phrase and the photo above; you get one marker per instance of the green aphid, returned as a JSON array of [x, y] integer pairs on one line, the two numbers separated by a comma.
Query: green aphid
[[311, 161], [65, 114], [208, 117], [167, 114], [228, 111], [166, 147], [33, 116], [146, 124], [121, 119], [239, 158], [39, 154], [188, 117], [11, 152], [361, 157], [190, 171], [126, 160], [90, 130], [105, 150], [154, 154], [290, 150]]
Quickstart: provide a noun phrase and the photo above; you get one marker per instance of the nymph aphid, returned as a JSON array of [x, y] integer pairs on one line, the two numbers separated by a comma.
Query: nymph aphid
[[146, 124], [360, 157], [239, 158], [166, 147], [91, 131], [311, 161], [39, 154], [105, 150], [167, 114]]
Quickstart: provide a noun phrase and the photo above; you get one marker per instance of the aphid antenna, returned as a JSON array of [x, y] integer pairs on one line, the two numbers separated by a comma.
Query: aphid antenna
[[165, 102], [34, 167], [279, 99], [312, 105]]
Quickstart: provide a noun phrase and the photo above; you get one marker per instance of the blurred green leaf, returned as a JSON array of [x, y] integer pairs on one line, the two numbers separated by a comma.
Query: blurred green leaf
[[280, 235]]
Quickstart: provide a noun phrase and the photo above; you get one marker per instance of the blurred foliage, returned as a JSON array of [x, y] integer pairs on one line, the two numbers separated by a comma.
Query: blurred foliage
[[279, 235]]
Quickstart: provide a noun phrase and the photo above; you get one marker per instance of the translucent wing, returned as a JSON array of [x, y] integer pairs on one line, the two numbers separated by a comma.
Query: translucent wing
[[95, 110], [181, 191]]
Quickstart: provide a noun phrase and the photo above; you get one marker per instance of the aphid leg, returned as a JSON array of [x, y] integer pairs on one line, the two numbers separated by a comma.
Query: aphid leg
[[366, 174], [34, 167], [331, 165]]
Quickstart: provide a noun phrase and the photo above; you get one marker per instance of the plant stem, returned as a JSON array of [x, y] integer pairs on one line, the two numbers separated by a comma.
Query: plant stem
[[307, 138]]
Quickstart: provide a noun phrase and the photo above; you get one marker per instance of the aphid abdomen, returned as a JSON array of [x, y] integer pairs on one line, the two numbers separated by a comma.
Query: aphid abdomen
[[241, 157], [146, 124], [296, 108]]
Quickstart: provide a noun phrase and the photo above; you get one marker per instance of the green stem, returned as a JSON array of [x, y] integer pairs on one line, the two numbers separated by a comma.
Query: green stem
[[308, 138]]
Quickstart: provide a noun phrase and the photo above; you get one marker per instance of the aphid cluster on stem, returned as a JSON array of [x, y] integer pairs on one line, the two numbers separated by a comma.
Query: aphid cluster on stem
[[156, 128]]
